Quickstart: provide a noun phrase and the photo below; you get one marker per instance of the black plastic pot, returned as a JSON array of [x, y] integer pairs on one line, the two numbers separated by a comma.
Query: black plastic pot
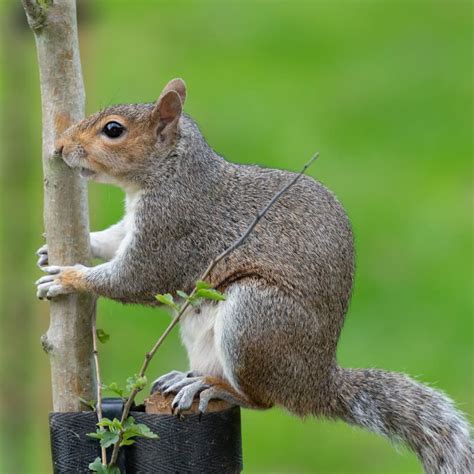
[[210, 445]]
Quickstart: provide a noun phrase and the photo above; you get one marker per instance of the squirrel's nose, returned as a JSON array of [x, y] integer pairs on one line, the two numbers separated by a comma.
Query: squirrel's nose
[[58, 147]]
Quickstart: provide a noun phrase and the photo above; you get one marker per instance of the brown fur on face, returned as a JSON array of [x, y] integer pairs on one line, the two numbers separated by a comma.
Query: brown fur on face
[[150, 131], [86, 146]]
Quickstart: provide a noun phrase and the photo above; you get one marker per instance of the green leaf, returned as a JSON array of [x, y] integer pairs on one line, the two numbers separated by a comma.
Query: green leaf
[[105, 422], [168, 300], [195, 301], [108, 439], [145, 432], [97, 466], [127, 442], [88, 403], [136, 382], [116, 426], [113, 387], [183, 294], [210, 294], [128, 423], [202, 285], [102, 335], [132, 429], [107, 436]]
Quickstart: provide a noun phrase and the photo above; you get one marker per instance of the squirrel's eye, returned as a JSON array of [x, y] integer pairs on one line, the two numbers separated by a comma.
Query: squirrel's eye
[[113, 129]]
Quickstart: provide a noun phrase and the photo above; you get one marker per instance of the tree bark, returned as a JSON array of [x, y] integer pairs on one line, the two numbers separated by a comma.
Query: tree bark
[[68, 340]]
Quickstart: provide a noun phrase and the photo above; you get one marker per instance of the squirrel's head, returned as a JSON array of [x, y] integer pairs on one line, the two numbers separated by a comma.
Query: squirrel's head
[[114, 144]]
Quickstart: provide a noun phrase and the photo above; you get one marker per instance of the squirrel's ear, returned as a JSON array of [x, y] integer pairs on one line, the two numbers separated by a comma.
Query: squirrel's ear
[[166, 113], [177, 85]]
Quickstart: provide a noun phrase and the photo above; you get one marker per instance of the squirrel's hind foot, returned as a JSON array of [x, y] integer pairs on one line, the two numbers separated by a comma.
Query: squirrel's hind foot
[[163, 383], [191, 385]]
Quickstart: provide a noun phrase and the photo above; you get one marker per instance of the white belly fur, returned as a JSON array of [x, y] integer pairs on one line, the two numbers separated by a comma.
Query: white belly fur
[[198, 336], [201, 335]]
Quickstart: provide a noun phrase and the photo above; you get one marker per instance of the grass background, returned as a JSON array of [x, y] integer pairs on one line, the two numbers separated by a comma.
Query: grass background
[[383, 89]]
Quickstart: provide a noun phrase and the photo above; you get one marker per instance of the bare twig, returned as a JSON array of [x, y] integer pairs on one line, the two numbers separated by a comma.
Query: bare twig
[[186, 304], [98, 379]]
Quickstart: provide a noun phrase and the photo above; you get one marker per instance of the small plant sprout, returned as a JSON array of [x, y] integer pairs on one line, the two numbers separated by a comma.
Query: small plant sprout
[[114, 431], [202, 291], [114, 388], [100, 468]]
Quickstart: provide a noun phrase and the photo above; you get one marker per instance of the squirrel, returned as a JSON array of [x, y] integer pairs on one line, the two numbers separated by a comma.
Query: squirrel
[[273, 340]]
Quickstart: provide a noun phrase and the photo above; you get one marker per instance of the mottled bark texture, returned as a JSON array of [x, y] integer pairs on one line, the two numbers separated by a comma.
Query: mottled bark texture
[[68, 340]]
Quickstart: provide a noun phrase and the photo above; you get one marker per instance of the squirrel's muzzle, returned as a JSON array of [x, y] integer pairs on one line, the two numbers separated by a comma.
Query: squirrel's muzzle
[[58, 150]]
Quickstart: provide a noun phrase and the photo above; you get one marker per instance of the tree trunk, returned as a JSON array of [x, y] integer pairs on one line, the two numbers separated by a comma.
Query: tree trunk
[[68, 340]]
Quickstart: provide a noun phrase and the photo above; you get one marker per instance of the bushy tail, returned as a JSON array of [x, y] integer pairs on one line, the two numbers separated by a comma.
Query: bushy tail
[[406, 411]]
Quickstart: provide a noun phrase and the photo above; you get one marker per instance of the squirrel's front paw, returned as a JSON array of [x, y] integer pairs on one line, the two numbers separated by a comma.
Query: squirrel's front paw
[[60, 281], [42, 253]]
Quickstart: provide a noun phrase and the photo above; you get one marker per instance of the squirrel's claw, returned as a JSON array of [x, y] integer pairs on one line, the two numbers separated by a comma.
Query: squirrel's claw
[[204, 401], [188, 385], [49, 286], [52, 270], [214, 392], [42, 261], [42, 253], [207, 392], [184, 399], [178, 386], [163, 383], [50, 290], [42, 250]]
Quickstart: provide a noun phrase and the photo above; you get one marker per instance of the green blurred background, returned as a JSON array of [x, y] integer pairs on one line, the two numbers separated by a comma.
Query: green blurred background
[[383, 89]]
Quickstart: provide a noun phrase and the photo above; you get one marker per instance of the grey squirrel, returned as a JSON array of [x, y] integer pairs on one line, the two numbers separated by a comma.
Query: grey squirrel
[[273, 340]]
